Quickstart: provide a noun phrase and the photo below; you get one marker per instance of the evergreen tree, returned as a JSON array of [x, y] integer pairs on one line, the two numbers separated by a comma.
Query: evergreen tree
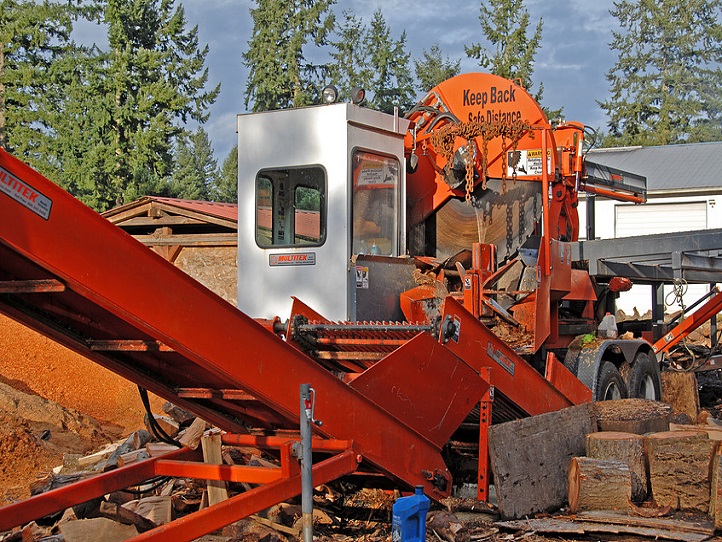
[[227, 186], [390, 79], [196, 172], [32, 37], [279, 74], [505, 24], [665, 83], [349, 68], [127, 106], [432, 69]]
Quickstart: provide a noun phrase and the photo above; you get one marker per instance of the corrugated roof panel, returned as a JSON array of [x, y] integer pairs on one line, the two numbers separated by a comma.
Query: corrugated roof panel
[[668, 167], [221, 210]]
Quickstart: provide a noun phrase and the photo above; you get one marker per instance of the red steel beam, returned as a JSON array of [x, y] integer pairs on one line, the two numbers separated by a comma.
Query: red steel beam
[[64, 497], [226, 473], [243, 505], [689, 324]]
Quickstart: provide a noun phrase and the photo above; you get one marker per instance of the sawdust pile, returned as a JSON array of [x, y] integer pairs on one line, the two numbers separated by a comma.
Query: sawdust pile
[[55, 402]]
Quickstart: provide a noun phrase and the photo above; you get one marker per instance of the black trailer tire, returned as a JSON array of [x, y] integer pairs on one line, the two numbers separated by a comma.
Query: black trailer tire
[[645, 380], [610, 384]]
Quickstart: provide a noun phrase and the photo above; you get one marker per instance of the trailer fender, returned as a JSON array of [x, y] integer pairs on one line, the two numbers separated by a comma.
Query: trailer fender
[[586, 361]]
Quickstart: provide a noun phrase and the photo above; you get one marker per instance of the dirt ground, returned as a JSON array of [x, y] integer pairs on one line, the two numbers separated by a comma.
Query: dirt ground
[[55, 402]]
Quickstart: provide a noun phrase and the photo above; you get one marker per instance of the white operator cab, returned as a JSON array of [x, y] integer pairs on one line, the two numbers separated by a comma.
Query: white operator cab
[[317, 186]]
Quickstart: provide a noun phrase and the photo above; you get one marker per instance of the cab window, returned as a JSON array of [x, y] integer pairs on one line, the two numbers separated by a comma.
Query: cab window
[[375, 204], [290, 207]]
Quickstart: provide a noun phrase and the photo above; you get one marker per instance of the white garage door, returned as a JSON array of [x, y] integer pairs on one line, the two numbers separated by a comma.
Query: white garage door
[[653, 218]]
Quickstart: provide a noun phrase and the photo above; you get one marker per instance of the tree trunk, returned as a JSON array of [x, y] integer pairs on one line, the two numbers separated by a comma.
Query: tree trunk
[[598, 484], [627, 448], [3, 142]]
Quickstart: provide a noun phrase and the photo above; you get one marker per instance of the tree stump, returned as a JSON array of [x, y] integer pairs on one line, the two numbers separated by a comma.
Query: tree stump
[[598, 484], [715, 504], [637, 416], [627, 448], [679, 465], [680, 391]]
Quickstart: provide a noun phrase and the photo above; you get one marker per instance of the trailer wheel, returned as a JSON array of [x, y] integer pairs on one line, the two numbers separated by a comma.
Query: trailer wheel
[[610, 384], [645, 382]]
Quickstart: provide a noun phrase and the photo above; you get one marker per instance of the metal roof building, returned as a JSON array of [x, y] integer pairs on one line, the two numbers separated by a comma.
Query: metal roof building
[[695, 167]]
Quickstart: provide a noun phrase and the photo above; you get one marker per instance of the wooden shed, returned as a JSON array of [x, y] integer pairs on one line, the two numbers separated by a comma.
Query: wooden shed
[[199, 237]]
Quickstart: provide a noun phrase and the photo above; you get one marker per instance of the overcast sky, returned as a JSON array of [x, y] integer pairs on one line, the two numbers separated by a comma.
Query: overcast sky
[[572, 62]]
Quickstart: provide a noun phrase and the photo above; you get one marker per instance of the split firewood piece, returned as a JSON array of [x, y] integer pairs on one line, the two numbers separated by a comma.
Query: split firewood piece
[[598, 484], [128, 517], [192, 436], [679, 465], [212, 453], [627, 448], [134, 442]]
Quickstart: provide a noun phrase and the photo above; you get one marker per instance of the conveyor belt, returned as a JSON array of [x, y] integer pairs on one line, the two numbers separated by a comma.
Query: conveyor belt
[[111, 299], [70, 274]]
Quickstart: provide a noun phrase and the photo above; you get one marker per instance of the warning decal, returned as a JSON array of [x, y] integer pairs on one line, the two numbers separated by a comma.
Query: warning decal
[[362, 277], [527, 162], [24, 194]]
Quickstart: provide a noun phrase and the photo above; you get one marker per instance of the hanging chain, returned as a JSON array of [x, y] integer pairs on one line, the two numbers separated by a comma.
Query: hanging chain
[[443, 140], [469, 160]]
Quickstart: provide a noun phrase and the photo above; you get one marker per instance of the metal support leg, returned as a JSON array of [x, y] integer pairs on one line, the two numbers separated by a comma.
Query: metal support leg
[[484, 424], [713, 324], [306, 463]]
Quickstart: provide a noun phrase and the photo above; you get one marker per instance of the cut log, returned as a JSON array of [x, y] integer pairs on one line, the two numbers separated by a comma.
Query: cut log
[[637, 416], [157, 509], [155, 449], [166, 424], [212, 453], [680, 391], [627, 448], [679, 465], [88, 461], [599, 484], [92, 530], [530, 459]]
